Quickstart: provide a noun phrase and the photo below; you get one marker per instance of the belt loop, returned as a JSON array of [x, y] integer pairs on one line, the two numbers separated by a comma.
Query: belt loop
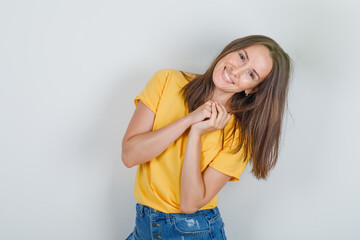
[[214, 210], [142, 209], [167, 215]]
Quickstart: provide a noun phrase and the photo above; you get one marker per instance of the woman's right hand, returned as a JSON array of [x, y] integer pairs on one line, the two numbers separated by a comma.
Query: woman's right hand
[[201, 113]]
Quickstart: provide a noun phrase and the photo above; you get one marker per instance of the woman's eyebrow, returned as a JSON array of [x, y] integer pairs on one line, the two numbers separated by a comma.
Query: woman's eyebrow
[[249, 60]]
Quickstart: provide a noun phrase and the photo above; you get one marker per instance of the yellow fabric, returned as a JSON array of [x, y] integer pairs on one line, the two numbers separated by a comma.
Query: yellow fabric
[[157, 182]]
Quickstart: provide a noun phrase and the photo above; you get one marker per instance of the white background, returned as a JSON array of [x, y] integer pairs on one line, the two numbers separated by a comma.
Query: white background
[[69, 71]]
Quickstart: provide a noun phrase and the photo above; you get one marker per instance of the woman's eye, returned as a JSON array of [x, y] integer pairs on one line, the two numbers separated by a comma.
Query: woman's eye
[[242, 57], [252, 75]]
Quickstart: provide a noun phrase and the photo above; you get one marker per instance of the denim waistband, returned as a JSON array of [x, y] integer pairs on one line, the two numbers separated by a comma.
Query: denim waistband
[[153, 213]]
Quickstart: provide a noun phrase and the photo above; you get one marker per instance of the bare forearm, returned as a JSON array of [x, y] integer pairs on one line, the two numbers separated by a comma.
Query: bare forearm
[[144, 147], [192, 184]]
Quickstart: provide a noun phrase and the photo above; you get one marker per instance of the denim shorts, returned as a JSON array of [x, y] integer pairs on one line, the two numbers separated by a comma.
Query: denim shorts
[[151, 224]]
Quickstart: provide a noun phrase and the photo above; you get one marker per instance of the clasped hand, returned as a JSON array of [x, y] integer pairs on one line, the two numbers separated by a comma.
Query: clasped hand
[[216, 114]]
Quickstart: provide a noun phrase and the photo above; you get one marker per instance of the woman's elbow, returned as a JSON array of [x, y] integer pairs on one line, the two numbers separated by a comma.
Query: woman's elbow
[[125, 154], [187, 209], [125, 160]]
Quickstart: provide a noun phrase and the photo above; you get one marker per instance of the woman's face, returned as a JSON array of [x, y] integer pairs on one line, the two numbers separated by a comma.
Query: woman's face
[[242, 69]]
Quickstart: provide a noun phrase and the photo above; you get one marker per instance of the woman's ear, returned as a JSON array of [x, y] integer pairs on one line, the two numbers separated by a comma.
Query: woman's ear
[[251, 91], [247, 92]]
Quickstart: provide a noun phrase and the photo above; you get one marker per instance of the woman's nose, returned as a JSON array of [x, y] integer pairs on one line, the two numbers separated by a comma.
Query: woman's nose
[[237, 71]]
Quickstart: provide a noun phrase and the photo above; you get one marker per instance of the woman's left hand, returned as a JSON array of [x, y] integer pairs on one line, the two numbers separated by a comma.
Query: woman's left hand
[[218, 119]]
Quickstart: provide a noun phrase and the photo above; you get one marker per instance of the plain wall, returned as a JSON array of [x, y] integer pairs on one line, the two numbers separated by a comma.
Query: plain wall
[[69, 71]]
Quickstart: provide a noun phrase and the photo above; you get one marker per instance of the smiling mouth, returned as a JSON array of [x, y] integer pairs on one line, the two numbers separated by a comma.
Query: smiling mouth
[[227, 78]]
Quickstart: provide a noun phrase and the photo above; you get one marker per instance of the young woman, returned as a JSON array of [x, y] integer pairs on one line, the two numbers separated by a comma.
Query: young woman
[[192, 133]]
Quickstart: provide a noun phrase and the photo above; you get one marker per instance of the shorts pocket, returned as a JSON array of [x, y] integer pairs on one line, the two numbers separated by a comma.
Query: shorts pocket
[[191, 225]]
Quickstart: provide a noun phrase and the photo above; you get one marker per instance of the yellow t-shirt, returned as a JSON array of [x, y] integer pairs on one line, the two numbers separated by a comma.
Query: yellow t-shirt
[[157, 182]]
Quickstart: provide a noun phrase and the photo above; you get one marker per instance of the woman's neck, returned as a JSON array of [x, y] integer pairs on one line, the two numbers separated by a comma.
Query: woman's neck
[[222, 98]]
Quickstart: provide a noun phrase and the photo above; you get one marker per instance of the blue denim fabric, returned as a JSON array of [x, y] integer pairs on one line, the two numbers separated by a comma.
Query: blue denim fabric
[[151, 224]]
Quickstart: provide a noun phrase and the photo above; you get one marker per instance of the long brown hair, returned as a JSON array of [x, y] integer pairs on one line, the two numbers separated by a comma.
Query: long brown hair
[[258, 115]]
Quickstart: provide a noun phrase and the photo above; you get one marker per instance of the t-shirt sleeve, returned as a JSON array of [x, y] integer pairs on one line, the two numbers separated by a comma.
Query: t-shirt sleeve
[[229, 163], [153, 90]]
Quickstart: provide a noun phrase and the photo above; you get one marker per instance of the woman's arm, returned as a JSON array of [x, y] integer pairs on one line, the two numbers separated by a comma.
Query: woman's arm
[[197, 189], [140, 144]]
